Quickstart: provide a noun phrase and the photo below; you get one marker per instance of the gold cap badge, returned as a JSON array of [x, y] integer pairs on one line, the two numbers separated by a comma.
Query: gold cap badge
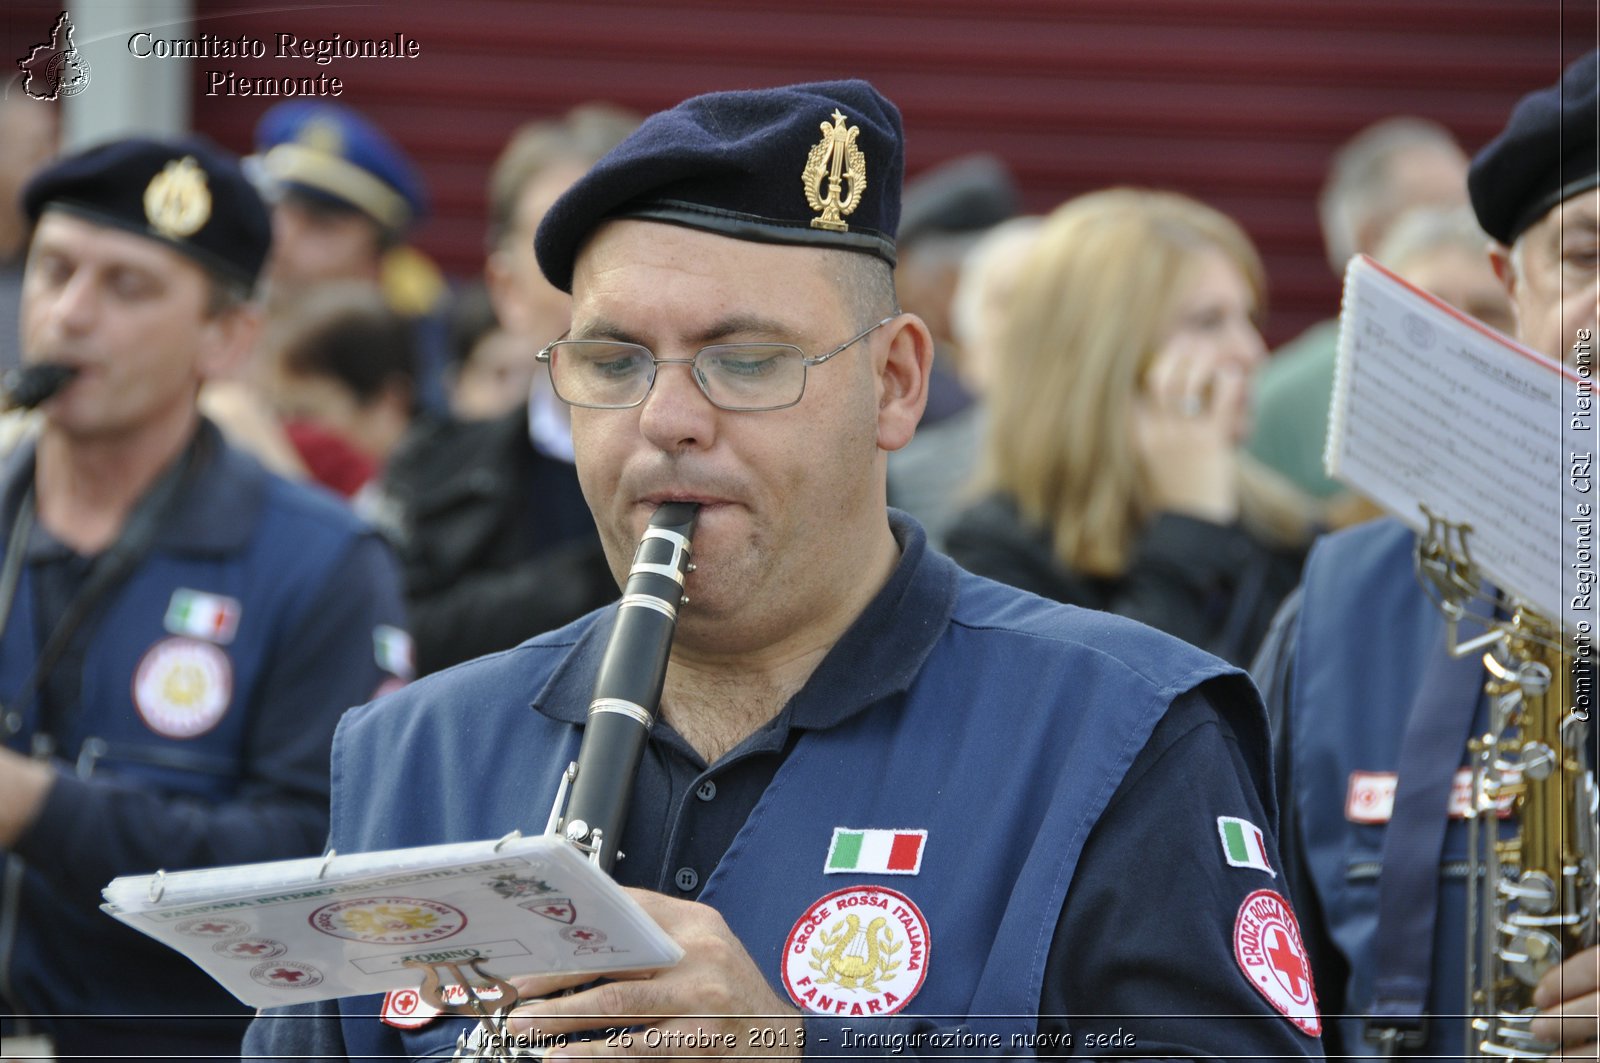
[[837, 158], [177, 202], [322, 134]]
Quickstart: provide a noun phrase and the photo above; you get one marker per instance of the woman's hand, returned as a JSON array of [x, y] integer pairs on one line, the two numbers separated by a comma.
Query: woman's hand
[[1185, 423]]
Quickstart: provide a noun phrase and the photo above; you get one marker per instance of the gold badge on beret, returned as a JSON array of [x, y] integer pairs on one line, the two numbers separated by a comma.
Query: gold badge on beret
[[837, 158], [176, 201]]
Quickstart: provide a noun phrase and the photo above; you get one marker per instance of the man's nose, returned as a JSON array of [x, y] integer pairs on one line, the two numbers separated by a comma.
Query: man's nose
[[677, 415], [76, 305]]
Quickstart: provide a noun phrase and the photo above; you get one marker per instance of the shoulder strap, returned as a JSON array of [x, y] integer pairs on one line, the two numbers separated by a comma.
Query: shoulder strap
[[109, 570], [1408, 888]]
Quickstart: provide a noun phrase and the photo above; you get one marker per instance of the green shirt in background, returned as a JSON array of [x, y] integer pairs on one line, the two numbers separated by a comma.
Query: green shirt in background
[[1293, 392]]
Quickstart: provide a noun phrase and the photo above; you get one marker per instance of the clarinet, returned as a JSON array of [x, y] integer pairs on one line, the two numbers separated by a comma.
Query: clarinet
[[591, 805], [27, 386], [627, 689]]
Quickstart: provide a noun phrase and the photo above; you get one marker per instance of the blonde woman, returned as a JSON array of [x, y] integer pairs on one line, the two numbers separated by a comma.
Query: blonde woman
[[1119, 398]]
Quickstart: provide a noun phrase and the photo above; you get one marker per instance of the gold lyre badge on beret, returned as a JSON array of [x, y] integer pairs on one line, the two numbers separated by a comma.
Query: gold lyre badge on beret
[[176, 201], [840, 160]]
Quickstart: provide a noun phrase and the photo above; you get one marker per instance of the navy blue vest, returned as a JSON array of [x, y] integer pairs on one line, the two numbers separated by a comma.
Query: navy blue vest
[[1366, 629], [289, 529], [1006, 748]]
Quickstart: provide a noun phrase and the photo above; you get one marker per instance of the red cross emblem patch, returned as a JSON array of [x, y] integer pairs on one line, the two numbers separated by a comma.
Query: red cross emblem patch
[[286, 974], [560, 909], [1272, 955], [406, 1010]]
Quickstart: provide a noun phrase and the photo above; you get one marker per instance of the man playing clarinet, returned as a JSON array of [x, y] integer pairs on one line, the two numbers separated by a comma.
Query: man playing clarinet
[[884, 805]]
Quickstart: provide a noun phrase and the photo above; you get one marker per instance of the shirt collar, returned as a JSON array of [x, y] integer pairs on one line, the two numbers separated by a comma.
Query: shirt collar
[[219, 509], [879, 655], [215, 512]]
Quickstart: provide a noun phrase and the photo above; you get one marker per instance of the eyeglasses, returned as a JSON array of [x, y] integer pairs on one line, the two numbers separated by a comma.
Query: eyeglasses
[[605, 375]]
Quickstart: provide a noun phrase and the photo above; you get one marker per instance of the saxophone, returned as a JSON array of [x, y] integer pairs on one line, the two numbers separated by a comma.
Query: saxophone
[[591, 805], [1531, 896]]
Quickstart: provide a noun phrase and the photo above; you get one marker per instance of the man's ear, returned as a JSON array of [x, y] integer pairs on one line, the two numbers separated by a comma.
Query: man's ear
[[228, 340], [903, 380], [1505, 270]]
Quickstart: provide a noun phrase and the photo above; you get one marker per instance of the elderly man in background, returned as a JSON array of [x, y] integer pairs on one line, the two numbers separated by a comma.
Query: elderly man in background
[[1384, 171]]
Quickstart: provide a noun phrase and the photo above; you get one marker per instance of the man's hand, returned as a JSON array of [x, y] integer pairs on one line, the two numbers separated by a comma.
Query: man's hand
[[715, 1002], [1569, 1001], [24, 784]]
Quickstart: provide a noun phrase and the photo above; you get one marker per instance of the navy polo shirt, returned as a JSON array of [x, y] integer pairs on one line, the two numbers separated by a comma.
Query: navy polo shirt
[[1125, 907], [685, 813]]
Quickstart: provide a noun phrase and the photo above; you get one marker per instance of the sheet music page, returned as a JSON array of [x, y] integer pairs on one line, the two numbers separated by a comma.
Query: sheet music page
[[299, 931], [1432, 408]]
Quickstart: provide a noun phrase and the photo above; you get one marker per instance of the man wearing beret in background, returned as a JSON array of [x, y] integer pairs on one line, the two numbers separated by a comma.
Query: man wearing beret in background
[[180, 629], [883, 797], [1358, 700]]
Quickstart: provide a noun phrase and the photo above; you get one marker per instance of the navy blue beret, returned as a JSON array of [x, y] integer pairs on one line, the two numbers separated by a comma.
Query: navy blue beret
[[818, 165], [333, 153], [187, 194], [1546, 153]]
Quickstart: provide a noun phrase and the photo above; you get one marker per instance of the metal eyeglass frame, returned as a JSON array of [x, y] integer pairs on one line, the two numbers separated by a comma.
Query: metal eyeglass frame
[[655, 363]]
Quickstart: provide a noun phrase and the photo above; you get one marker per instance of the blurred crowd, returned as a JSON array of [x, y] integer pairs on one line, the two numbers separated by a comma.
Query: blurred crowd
[[1105, 426]]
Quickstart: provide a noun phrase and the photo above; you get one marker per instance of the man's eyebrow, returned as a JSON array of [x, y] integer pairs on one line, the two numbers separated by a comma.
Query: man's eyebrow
[[746, 326], [600, 329], [735, 326], [45, 244]]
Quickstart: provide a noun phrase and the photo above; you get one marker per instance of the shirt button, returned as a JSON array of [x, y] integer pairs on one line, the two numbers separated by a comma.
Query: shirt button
[[687, 879], [706, 791], [13, 722]]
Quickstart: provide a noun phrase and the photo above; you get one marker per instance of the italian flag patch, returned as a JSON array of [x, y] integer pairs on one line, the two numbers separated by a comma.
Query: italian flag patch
[[392, 649], [213, 617], [1243, 844], [875, 852]]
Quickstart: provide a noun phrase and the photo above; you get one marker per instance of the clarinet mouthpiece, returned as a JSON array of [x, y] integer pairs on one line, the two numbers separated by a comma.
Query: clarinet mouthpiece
[[27, 386]]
